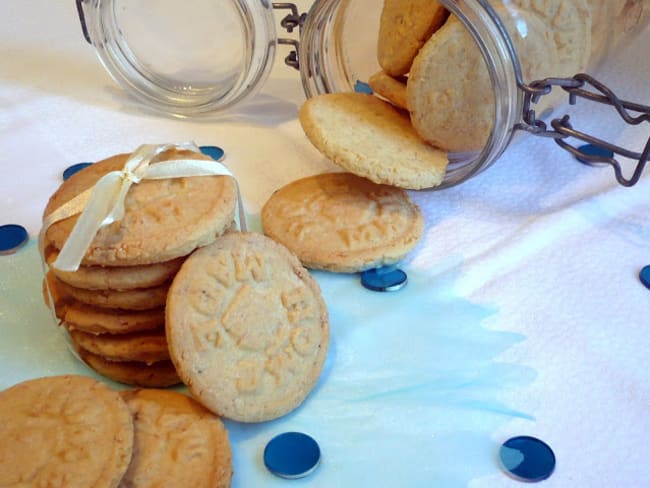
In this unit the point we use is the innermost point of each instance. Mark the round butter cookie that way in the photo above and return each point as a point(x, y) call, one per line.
point(146, 347)
point(404, 26)
point(164, 219)
point(449, 90)
point(70, 431)
point(96, 320)
point(370, 138)
point(342, 222)
point(138, 299)
point(247, 328)
point(177, 442)
point(117, 277)
point(390, 88)
point(156, 375)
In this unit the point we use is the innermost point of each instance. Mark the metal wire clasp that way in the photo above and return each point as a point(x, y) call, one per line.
point(562, 130)
point(289, 23)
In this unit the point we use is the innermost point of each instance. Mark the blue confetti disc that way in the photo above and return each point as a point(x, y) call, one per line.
point(644, 276)
point(361, 87)
point(70, 170)
point(215, 152)
point(292, 455)
point(593, 150)
point(384, 279)
point(527, 458)
point(12, 238)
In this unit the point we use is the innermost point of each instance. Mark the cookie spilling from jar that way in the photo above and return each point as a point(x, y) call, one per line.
point(433, 99)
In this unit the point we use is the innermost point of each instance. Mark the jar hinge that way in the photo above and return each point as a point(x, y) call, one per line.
point(289, 23)
point(562, 128)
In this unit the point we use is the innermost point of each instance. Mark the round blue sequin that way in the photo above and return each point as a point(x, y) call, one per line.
point(644, 276)
point(593, 150)
point(12, 238)
point(527, 458)
point(361, 87)
point(384, 279)
point(292, 455)
point(215, 152)
point(70, 170)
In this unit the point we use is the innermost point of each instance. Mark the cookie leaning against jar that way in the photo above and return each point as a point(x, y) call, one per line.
point(344, 223)
point(247, 328)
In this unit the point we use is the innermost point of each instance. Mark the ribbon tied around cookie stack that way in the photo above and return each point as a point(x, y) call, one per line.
point(103, 204)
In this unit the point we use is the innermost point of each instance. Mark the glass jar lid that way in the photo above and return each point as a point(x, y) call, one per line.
point(180, 59)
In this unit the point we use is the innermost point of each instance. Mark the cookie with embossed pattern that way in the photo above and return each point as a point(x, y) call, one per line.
point(64, 431)
point(247, 328)
point(147, 347)
point(156, 375)
point(341, 222)
point(163, 219)
point(178, 442)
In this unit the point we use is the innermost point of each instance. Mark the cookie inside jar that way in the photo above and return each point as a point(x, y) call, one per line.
point(446, 68)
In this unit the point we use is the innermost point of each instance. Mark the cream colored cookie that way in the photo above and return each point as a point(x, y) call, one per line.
point(63, 431)
point(177, 443)
point(164, 219)
point(342, 222)
point(405, 25)
point(247, 328)
point(370, 138)
point(139, 299)
point(156, 375)
point(96, 320)
point(146, 347)
point(390, 88)
point(449, 91)
point(116, 277)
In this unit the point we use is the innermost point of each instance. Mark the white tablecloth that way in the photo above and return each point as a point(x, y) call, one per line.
point(523, 315)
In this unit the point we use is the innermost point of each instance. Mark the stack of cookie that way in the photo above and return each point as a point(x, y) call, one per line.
point(74, 431)
point(114, 305)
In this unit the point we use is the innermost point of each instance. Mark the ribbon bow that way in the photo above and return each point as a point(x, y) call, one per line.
point(103, 204)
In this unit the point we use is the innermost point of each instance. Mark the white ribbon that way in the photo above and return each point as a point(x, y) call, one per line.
point(103, 204)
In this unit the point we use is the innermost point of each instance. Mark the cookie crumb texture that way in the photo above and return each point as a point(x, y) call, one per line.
point(64, 431)
point(247, 328)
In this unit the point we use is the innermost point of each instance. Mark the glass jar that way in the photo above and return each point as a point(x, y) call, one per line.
point(191, 62)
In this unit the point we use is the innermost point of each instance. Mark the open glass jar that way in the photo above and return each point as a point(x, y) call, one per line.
point(208, 58)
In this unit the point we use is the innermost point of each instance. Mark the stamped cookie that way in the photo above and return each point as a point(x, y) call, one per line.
point(164, 219)
point(247, 328)
point(156, 375)
point(67, 431)
point(390, 88)
point(342, 222)
point(139, 299)
point(116, 277)
point(147, 347)
point(449, 91)
point(96, 320)
point(370, 138)
point(177, 443)
point(405, 25)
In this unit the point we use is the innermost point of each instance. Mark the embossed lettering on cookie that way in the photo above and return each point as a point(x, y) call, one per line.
point(247, 328)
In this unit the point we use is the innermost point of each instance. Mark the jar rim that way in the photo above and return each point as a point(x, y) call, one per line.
point(169, 94)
